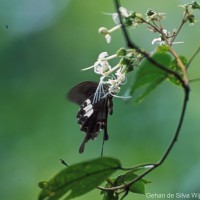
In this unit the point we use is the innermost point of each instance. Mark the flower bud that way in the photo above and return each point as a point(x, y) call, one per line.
point(103, 30)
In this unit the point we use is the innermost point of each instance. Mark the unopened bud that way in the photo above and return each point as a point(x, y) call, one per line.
point(103, 30)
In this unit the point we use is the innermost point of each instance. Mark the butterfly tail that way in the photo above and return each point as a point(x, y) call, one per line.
point(82, 146)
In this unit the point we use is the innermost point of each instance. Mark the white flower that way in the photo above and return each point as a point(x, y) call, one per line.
point(107, 33)
point(103, 55)
point(102, 65)
point(108, 38)
point(113, 86)
point(113, 77)
point(156, 40)
point(117, 80)
point(103, 30)
point(169, 38)
point(121, 76)
point(115, 18)
point(124, 13)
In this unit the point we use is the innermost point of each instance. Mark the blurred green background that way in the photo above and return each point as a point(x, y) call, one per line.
point(42, 51)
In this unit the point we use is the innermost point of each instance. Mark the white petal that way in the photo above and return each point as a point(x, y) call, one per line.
point(118, 72)
point(177, 42)
point(98, 69)
point(103, 30)
point(156, 40)
point(84, 69)
point(115, 18)
point(103, 55)
point(165, 31)
point(108, 38)
point(123, 12)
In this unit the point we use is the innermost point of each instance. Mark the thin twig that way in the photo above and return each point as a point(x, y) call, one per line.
point(137, 167)
point(125, 194)
point(179, 28)
point(193, 56)
point(180, 63)
point(194, 80)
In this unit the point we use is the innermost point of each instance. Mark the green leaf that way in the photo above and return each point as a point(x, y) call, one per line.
point(123, 179)
point(138, 188)
point(79, 179)
point(149, 89)
point(150, 76)
point(195, 5)
point(174, 66)
point(162, 48)
point(128, 176)
point(121, 52)
point(128, 62)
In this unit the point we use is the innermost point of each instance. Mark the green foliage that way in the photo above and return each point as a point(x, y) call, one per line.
point(138, 187)
point(121, 52)
point(128, 62)
point(162, 49)
point(174, 66)
point(150, 76)
point(79, 178)
point(195, 5)
point(123, 179)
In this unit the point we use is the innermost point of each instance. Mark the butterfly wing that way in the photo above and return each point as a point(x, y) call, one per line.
point(92, 117)
point(79, 93)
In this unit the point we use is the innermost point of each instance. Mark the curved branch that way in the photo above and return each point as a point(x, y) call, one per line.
point(160, 162)
point(186, 88)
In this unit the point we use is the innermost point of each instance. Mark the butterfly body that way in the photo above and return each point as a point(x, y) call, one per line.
point(95, 104)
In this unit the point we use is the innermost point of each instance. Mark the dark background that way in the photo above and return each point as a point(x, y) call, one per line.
point(42, 51)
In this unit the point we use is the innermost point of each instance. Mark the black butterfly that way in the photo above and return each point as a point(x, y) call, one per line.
point(95, 104)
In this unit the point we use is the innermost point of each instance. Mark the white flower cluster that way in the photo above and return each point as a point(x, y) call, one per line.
point(113, 77)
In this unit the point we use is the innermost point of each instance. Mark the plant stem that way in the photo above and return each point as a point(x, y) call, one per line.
point(180, 27)
point(180, 64)
point(185, 86)
point(193, 56)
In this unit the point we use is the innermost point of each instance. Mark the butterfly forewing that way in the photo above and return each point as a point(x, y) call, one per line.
point(79, 93)
point(92, 116)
